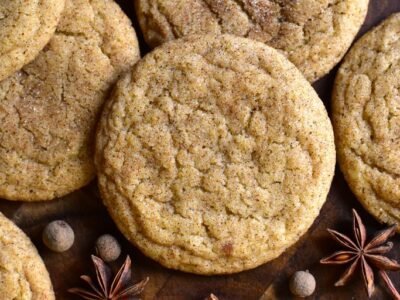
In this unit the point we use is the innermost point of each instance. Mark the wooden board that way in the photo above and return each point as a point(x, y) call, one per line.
point(84, 211)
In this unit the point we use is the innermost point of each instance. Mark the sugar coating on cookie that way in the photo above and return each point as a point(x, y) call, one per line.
point(25, 28)
point(366, 115)
point(49, 109)
point(313, 34)
point(214, 154)
point(23, 274)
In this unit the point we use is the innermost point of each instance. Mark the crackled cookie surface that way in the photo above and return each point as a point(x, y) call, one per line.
point(214, 154)
point(49, 109)
point(23, 275)
point(366, 112)
point(25, 28)
point(313, 34)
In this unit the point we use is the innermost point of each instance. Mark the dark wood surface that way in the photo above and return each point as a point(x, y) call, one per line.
point(84, 211)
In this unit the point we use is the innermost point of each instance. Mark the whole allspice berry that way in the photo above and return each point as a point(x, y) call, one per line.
point(58, 236)
point(302, 284)
point(108, 248)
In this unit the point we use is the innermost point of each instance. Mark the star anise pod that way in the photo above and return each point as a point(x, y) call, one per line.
point(108, 288)
point(366, 255)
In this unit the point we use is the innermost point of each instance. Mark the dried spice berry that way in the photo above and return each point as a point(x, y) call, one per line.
point(108, 248)
point(302, 284)
point(58, 236)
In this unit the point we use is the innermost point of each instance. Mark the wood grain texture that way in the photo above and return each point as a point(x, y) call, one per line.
point(84, 211)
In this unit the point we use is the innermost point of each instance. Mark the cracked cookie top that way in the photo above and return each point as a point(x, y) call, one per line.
point(25, 28)
point(49, 109)
point(313, 34)
point(23, 275)
point(214, 154)
point(366, 114)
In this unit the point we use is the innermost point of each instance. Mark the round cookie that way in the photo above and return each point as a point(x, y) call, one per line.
point(23, 274)
point(214, 154)
point(49, 109)
point(25, 28)
point(366, 115)
point(313, 34)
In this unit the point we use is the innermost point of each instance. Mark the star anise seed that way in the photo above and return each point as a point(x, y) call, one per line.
point(119, 288)
point(358, 253)
point(211, 297)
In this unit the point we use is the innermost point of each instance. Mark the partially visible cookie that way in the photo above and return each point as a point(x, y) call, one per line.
point(23, 274)
point(214, 154)
point(25, 28)
point(366, 115)
point(313, 34)
point(49, 109)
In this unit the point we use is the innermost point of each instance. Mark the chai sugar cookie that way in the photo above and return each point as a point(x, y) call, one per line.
point(313, 34)
point(23, 274)
point(25, 28)
point(214, 154)
point(49, 109)
point(366, 115)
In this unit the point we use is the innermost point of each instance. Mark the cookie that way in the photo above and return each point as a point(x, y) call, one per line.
point(49, 109)
point(25, 28)
point(23, 274)
point(314, 35)
point(214, 154)
point(366, 115)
